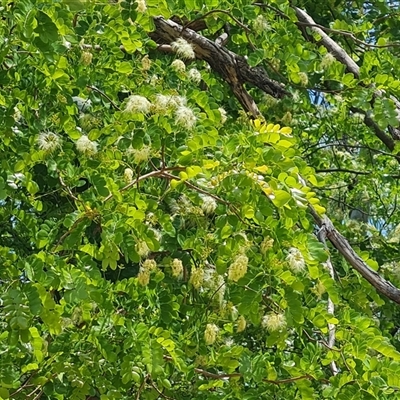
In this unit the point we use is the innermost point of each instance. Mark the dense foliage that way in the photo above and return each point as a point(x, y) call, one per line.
point(156, 239)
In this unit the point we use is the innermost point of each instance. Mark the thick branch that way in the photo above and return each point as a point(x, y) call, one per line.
point(233, 68)
point(341, 55)
point(338, 52)
point(342, 245)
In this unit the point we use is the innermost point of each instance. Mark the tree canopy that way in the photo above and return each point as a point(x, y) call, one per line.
point(199, 199)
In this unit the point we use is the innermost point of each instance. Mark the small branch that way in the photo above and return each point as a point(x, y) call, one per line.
point(342, 245)
point(160, 392)
point(348, 34)
point(244, 27)
point(136, 181)
point(350, 171)
point(350, 146)
point(338, 52)
point(233, 68)
point(142, 386)
point(68, 190)
point(104, 95)
point(69, 231)
point(239, 375)
point(331, 306)
point(202, 191)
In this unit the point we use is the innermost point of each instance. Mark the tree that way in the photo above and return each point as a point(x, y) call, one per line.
point(199, 200)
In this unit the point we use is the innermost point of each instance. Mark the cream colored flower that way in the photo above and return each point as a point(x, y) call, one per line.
point(194, 75)
point(139, 155)
point(128, 175)
point(177, 267)
point(295, 260)
point(49, 142)
point(163, 104)
point(196, 277)
point(210, 334)
point(209, 205)
point(238, 268)
point(327, 60)
point(266, 244)
point(143, 277)
point(86, 146)
point(185, 117)
point(274, 322)
point(224, 115)
point(183, 48)
point(142, 248)
point(241, 324)
point(303, 78)
point(146, 63)
point(261, 24)
point(178, 65)
point(141, 6)
point(86, 57)
point(149, 265)
point(137, 104)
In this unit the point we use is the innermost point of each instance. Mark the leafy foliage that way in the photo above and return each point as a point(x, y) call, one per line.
point(156, 243)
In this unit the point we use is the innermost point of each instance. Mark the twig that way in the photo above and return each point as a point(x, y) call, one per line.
point(104, 95)
point(24, 385)
point(142, 386)
point(350, 171)
point(160, 392)
point(331, 306)
point(134, 182)
point(197, 189)
point(66, 187)
point(348, 34)
point(38, 396)
point(246, 28)
point(69, 231)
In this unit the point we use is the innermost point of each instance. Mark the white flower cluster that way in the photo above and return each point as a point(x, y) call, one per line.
point(266, 244)
point(194, 75)
point(145, 270)
point(241, 324)
point(224, 115)
point(178, 65)
point(137, 104)
point(86, 146)
point(183, 49)
point(295, 260)
point(146, 63)
point(327, 60)
point(139, 155)
point(141, 6)
point(142, 248)
point(261, 24)
point(303, 78)
point(210, 333)
point(209, 281)
point(49, 142)
point(209, 205)
point(176, 267)
point(184, 116)
point(238, 268)
point(128, 175)
point(274, 322)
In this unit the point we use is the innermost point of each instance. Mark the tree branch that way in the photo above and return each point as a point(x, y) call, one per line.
point(342, 245)
point(350, 171)
point(233, 68)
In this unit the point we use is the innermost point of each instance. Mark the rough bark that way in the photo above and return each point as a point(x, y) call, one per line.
point(341, 55)
point(233, 68)
point(342, 245)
